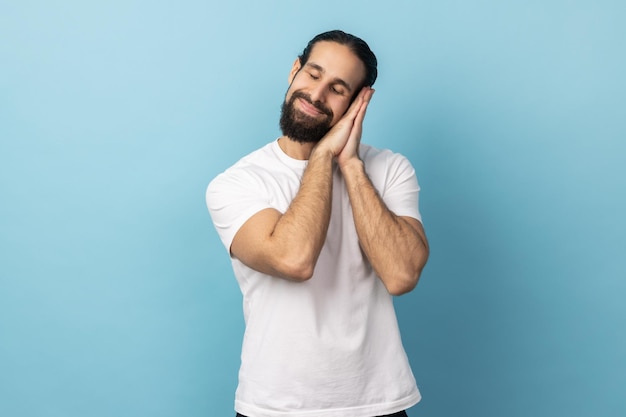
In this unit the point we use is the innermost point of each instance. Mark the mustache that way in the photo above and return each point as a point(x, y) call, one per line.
point(317, 104)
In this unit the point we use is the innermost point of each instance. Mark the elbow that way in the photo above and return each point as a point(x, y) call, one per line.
point(402, 282)
point(297, 270)
point(400, 286)
point(299, 274)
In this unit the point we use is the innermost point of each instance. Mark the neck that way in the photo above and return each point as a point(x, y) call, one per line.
point(296, 150)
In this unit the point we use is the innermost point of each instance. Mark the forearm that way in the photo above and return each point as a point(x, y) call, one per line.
point(300, 233)
point(396, 248)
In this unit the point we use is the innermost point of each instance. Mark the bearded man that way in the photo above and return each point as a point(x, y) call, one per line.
point(322, 231)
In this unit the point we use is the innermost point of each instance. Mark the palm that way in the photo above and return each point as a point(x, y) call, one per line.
point(343, 139)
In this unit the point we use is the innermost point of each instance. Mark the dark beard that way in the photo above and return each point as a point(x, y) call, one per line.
point(301, 127)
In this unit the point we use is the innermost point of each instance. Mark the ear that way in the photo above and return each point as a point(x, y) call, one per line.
point(294, 70)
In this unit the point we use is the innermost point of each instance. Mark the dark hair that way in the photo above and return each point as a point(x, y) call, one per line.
point(356, 45)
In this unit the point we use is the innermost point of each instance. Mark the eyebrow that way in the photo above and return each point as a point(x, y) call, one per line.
point(335, 80)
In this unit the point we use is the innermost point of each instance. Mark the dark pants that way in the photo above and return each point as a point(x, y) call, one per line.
point(400, 414)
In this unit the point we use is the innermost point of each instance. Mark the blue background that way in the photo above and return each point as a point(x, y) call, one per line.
point(116, 296)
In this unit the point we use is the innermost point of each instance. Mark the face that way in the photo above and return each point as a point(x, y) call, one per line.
point(320, 91)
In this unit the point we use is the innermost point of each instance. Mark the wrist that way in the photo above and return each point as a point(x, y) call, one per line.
point(352, 165)
point(321, 152)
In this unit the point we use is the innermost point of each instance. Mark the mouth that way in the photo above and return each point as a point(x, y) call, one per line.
point(308, 108)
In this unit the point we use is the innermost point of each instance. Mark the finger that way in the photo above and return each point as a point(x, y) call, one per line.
point(358, 121)
point(366, 96)
point(356, 104)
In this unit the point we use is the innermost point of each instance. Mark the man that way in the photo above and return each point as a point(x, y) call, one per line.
point(322, 231)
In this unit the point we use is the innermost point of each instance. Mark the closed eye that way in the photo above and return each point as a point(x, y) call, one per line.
point(339, 91)
point(339, 86)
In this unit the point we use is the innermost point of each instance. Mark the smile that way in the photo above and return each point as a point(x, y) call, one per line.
point(308, 108)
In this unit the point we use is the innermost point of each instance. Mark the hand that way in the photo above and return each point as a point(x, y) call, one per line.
point(351, 149)
point(348, 128)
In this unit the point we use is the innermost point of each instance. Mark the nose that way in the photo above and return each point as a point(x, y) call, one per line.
point(318, 92)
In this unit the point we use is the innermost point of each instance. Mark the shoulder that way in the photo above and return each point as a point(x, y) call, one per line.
point(258, 157)
point(245, 168)
point(376, 159)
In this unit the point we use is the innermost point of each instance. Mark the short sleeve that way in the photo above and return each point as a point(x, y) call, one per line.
point(395, 180)
point(232, 198)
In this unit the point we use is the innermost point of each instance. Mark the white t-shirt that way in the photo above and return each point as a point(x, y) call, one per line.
point(329, 346)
